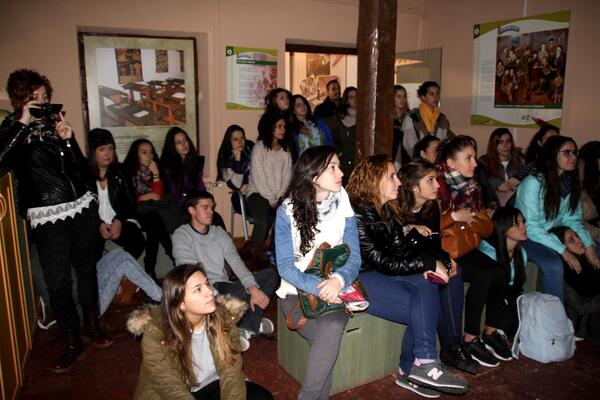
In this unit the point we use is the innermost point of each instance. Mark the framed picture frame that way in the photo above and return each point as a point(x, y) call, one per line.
point(138, 86)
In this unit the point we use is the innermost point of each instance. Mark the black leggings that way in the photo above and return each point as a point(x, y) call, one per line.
point(212, 391)
point(487, 288)
point(156, 232)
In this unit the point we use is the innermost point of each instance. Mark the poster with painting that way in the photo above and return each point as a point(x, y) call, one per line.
point(251, 75)
point(137, 87)
point(520, 67)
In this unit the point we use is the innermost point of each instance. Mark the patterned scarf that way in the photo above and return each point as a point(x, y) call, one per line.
point(143, 180)
point(457, 191)
point(327, 208)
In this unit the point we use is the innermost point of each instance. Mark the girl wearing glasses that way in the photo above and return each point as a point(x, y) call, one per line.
point(550, 198)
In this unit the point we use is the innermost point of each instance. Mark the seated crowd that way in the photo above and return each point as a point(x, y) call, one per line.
point(396, 213)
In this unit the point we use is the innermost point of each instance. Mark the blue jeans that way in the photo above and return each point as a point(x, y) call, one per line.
point(410, 300)
point(452, 300)
point(551, 264)
point(111, 269)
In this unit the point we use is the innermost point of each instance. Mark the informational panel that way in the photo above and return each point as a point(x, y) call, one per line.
point(519, 70)
point(251, 75)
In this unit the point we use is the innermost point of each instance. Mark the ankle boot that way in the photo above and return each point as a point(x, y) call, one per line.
point(72, 352)
point(92, 331)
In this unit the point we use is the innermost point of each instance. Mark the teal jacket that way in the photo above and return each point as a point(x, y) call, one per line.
point(530, 200)
point(490, 251)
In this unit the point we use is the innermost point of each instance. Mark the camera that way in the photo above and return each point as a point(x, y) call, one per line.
point(47, 114)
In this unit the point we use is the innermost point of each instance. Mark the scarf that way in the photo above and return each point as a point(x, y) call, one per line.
point(143, 180)
point(327, 208)
point(459, 191)
point(429, 117)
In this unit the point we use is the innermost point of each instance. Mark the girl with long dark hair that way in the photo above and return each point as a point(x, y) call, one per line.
point(550, 198)
point(143, 166)
point(394, 273)
point(504, 246)
point(316, 209)
point(306, 130)
point(182, 165)
point(233, 163)
point(270, 170)
point(419, 208)
point(462, 209)
point(499, 167)
point(191, 345)
point(343, 131)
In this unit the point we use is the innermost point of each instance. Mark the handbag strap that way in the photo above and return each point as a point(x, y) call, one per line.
point(294, 326)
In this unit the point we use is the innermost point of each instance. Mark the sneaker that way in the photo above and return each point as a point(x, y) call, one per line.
point(266, 327)
point(244, 344)
point(578, 339)
point(459, 359)
point(436, 376)
point(496, 344)
point(476, 349)
point(403, 382)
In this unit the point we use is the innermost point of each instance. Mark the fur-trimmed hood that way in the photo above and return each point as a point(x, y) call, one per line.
point(232, 307)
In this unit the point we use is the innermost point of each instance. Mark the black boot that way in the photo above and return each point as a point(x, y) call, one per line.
point(72, 352)
point(92, 331)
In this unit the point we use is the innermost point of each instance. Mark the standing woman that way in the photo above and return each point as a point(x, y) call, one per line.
point(307, 131)
point(233, 163)
point(316, 210)
point(394, 275)
point(427, 119)
point(183, 167)
point(191, 345)
point(418, 196)
point(548, 199)
point(270, 170)
point(62, 212)
point(343, 131)
point(460, 203)
point(400, 112)
point(116, 197)
point(499, 167)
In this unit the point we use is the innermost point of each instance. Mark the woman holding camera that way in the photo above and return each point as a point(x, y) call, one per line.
point(62, 212)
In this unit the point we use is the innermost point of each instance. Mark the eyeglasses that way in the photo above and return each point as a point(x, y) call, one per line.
point(569, 153)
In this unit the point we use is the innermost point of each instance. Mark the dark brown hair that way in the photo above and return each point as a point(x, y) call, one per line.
point(21, 85)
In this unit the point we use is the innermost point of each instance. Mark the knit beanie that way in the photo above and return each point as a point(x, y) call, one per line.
point(99, 137)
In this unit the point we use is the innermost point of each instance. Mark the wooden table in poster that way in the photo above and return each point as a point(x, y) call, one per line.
point(137, 87)
point(127, 115)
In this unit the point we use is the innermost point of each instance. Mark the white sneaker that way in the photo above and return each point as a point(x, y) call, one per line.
point(244, 344)
point(266, 327)
point(578, 339)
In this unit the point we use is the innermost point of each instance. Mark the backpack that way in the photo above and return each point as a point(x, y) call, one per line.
point(545, 333)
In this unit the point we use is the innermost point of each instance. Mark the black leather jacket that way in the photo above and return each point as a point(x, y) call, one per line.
point(120, 192)
point(383, 247)
point(50, 170)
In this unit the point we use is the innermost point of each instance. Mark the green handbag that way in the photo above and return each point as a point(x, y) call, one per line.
point(326, 260)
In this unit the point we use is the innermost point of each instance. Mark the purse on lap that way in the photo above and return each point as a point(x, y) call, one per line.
point(326, 261)
point(462, 238)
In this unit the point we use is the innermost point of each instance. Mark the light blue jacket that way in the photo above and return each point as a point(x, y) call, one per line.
point(490, 251)
point(530, 200)
point(284, 250)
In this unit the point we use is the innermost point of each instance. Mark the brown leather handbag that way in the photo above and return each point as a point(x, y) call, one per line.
point(461, 238)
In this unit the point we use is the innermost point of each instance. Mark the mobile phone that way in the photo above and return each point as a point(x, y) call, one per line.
point(435, 278)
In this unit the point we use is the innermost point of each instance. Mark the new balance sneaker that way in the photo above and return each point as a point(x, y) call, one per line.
point(476, 349)
point(436, 376)
point(245, 336)
point(496, 344)
point(403, 382)
point(266, 327)
point(459, 359)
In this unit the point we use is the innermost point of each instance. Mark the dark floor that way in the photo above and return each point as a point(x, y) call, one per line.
point(111, 373)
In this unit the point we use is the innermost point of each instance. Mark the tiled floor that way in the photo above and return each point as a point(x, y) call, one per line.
point(111, 373)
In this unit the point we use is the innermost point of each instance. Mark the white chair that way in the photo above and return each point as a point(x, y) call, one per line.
point(245, 219)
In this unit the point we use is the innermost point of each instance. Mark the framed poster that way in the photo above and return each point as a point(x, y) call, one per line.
point(138, 86)
point(519, 70)
point(251, 75)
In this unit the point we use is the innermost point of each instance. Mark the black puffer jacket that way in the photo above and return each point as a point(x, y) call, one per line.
point(50, 170)
point(120, 192)
point(384, 249)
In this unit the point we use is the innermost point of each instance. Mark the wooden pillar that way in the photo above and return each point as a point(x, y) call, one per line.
point(376, 44)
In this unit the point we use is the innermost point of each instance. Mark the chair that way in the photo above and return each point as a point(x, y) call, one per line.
point(245, 219)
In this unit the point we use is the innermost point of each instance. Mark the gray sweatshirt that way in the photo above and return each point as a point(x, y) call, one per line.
point(212, 250)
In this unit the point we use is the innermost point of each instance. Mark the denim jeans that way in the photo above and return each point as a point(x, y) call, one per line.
point(411, 300)
point(111, 269)
point(266, 280)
